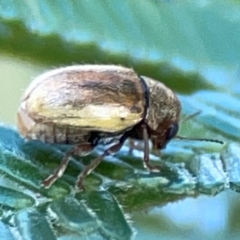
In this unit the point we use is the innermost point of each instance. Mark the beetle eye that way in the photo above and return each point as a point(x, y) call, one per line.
point(172, 131)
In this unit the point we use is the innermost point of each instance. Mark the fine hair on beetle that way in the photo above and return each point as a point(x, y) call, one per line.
point(85, 105)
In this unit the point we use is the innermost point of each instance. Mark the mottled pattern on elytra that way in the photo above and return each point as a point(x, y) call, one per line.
point(82, 104)
point(77, 88)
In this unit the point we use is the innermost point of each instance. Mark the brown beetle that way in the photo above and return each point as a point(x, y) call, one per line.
point(86, 104)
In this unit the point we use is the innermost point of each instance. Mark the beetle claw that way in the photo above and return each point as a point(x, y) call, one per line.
point(152, 168)
point(80, 186)
point(48, 182)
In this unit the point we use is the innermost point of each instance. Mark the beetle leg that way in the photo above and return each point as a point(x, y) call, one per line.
point(62, 167)
point(131, 146)
point(88, 169)
point(134, 145)
point(146, 160)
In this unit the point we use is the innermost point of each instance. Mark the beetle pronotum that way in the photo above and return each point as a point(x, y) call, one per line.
point(84, 105)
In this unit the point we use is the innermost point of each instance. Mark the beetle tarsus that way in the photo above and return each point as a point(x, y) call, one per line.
point(79, 185)
point(48, 182)
point(151, 168)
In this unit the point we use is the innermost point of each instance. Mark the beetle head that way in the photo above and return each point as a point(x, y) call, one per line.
point(161, 139)
point(163, 113)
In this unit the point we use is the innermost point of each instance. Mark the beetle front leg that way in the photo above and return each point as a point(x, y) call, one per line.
point(146, 159)
point(86, 147)
point(134, 145)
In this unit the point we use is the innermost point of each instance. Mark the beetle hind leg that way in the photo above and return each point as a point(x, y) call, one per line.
point(85, 147)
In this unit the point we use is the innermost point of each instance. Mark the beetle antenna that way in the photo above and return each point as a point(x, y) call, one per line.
point(200, 139)
point(193, 115)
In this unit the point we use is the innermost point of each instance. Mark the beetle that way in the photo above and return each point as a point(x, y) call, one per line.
point(84, 105)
